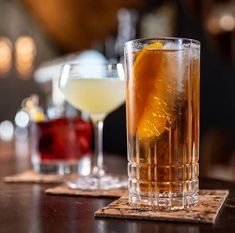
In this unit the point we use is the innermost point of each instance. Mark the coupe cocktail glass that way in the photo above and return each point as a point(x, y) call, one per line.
point(97, 89)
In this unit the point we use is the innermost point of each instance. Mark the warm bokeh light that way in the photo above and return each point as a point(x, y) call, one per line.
point(220, 19)
point(25, 51)
point(5, 55)
point(227, 22)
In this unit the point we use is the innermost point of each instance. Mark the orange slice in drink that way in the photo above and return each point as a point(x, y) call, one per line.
point(150, 87)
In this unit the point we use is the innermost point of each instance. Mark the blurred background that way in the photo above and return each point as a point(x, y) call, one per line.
point(34, 33)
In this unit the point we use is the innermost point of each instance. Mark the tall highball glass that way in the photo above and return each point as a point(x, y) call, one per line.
point(162, 91)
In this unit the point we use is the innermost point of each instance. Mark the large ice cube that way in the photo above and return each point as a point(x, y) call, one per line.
point(172, 46)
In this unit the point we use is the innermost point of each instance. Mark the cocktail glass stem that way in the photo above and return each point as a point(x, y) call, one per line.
point(98, 170)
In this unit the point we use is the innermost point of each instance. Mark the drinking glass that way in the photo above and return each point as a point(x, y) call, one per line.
point(162, 90)
point(60, 146)
point(97, 89)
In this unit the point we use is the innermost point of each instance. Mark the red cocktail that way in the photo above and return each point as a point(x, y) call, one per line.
point(59, 142)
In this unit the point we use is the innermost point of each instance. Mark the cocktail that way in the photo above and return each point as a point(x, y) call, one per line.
point(97, 89)
point(163, 122)
point(60, 145)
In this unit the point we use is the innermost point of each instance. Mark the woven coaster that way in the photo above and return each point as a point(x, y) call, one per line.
point(210, 202)
point(30, 176)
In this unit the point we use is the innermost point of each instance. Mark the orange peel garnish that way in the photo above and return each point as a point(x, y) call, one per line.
point(149, 87)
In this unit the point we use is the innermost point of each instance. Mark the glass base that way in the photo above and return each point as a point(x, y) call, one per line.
point(185, 197)
point(81, 167)
point(104, 182)
point(172, 201)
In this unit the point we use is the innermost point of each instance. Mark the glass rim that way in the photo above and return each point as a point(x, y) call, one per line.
point(74, 63)
point(172, 39)
point(73, 68)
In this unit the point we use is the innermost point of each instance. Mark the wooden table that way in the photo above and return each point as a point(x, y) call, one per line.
point(26, 208)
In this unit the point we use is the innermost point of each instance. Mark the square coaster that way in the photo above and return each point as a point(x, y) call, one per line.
point(65, 190)
point(31, 176)
point(210, 202)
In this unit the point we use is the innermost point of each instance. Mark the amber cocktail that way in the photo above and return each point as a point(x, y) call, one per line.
point(162, 90)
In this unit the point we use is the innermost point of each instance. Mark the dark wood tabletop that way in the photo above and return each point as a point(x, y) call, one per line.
point(26, 208)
